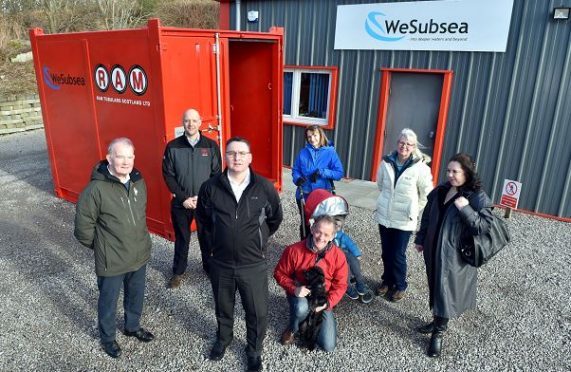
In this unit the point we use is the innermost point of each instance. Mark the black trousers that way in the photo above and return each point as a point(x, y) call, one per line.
point(181, 220)
point(252, 283)
point(302, 224)
point(133, 284)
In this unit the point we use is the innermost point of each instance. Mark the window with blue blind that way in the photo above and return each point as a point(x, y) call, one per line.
point(307, 96)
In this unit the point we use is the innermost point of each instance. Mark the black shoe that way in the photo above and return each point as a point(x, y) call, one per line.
point(112, 349)
point(217, 352)
point(435, 347)
point(141, 334)
point(426, 329)
point(254, 363)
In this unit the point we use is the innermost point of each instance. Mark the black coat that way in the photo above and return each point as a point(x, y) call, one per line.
point(236, 233)
point(452, 282)
point(185, 168)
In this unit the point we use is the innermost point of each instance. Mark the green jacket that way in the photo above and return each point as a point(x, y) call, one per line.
point(112, 221)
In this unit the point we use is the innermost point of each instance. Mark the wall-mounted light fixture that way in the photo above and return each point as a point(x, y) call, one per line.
point(253, 16)
point(561, 14)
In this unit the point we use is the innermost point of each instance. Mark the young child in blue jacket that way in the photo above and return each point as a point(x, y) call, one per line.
point(353, 255)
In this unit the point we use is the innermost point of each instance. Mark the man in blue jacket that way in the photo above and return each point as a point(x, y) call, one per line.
point(239, 210)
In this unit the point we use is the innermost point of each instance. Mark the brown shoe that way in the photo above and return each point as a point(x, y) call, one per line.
point(397, 296)
point(287, 337)
point(175, 281)
point(382, 289)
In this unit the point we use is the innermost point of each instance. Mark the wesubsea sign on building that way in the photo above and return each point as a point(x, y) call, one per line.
point(510, 194)
point(459, 25)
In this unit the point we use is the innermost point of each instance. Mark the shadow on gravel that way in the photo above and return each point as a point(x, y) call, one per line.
point(30, 168)
point(51, 267)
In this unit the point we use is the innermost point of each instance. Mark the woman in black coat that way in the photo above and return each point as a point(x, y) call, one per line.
point(454, 209)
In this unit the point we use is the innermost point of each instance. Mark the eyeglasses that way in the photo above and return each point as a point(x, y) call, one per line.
point(454, 171)
point(402, 144)
point(237, 154)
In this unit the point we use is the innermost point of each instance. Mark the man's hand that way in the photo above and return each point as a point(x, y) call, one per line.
point(190, 203)
point(302, 291)
point(321, 308)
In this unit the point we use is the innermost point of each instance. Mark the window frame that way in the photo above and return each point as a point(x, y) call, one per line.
point(295, 119)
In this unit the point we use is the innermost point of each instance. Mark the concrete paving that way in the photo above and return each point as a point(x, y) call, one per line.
point(358, 193)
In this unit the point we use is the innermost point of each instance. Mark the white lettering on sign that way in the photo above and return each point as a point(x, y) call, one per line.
point(124, 101)
point(118, 79)
point(101, 78)
point(510, 194)
point(138, 80)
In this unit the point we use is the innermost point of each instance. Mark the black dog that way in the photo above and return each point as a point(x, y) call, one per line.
point(309, 328)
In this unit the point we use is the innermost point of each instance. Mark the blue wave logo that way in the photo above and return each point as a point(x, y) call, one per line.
point(48, 80)
point(376, 30)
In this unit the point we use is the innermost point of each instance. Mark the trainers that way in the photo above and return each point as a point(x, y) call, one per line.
point(287, 337)
point(367, 297)
point(175, 281)
point(397, 296)
point(352, 293)
point(362, 288)
point(382, 289)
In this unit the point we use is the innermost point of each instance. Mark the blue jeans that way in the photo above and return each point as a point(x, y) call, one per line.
point(298, 310)
point(393, 253)
point(133, 284)
point(354, 268)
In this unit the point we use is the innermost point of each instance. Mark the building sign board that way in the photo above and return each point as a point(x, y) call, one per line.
point(510, 194)
point(453, 25)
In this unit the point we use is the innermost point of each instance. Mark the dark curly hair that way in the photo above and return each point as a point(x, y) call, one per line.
point(473, 182)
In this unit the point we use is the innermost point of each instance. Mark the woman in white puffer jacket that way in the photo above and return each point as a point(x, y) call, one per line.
point(404, 180)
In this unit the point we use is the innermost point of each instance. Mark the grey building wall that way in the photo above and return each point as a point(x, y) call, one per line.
point(511, 111)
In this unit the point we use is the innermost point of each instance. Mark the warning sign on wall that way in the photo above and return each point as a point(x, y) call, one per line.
point(510, 194)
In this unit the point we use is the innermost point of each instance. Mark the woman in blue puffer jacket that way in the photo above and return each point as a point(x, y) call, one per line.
point(317, 165)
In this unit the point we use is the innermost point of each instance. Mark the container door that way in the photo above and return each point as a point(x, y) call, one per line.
point(68, 112)
point(252, 79)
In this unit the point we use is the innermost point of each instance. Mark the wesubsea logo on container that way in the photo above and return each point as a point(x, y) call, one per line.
point(135, 79)
point(54, 80)
point(451, 25)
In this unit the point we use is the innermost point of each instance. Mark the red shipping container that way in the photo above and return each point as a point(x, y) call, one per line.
point(136, 83)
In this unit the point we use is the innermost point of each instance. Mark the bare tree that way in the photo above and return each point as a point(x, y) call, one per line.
point(119, 13)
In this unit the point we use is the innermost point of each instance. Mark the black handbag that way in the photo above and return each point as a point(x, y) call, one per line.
point(476, 250)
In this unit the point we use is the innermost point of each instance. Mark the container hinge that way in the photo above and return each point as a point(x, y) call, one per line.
point(215, 48)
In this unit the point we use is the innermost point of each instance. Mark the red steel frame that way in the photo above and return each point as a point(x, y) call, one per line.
point(440, 126)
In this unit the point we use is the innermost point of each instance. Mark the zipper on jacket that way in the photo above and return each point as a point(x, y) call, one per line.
point(131, 210)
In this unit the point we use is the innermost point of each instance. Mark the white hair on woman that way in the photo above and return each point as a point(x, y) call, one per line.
point(410, 137)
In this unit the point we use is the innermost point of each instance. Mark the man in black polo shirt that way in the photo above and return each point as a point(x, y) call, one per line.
point(189, 160)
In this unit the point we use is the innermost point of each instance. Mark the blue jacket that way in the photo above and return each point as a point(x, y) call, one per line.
point(347, 244)
point(323, 159)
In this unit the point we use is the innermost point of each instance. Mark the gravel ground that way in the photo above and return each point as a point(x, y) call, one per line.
point(49, 294)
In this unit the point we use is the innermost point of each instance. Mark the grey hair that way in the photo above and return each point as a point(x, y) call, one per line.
point(409, 135)
point(325, 218)
point(123, 140)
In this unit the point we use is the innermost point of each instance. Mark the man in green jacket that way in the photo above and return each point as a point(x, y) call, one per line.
point(111, 219)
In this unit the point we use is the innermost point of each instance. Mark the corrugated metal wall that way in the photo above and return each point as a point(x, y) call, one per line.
point(511, 111)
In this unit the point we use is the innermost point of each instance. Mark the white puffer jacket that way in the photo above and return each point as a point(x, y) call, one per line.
point(398, 206)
